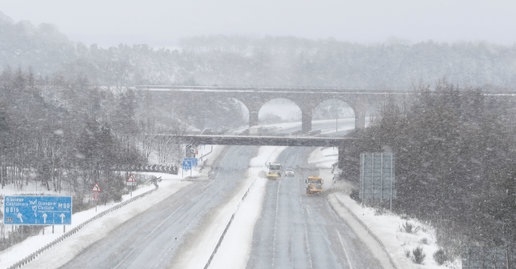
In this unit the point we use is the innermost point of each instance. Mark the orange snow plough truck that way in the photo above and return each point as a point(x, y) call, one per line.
point(313, 184)
point(274, 170)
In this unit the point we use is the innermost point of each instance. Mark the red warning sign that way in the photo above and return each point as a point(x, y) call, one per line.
point(96, 188)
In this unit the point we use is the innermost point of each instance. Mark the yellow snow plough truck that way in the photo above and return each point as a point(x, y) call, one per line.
point(313, 184)
point(273, 170)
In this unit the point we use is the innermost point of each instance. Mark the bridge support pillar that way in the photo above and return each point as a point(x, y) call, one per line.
point(360, 119)
point(253, 117)
point(360, 108)
point(340, 156)
point(306, 120)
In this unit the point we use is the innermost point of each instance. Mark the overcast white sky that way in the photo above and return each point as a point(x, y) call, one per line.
point(161, 22)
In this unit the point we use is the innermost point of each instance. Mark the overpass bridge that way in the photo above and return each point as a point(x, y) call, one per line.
point(249, 140)
point(300, 141)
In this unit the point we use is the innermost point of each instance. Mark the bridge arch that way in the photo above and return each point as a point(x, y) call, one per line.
point(305, 107)
point(334, 109)
point(279, 110)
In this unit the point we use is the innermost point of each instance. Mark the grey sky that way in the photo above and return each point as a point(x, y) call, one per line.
point(161, 22)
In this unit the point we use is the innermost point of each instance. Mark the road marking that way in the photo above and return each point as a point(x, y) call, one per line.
point(344, 249)
point(307, 240)
point(307, 246)
point(275, 225)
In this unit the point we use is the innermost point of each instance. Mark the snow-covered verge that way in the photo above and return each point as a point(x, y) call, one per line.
point(91, 225)
point(386, 228)
point(78, 235)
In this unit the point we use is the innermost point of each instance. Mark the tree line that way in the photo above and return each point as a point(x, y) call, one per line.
point(258, 62)
point(454, 162)
point(64, 135)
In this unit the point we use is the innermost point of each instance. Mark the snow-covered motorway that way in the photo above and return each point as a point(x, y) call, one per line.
point(296, 230)
point(235, 218)
point(159, 237)
point(193, 226)
point(183, 231)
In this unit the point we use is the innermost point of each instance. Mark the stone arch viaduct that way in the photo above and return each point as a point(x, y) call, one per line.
point(254, 98)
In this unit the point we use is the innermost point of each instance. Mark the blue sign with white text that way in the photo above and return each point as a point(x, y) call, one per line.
point(189, 162)
point(37, 210)
point(187, 165)
point(192, 160)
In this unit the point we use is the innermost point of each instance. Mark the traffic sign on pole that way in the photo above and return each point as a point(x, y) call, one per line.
point(37, 210)
point(96, 190)
point(131, 181)
point(186, 164)
point(377, 180)
point(192, 160)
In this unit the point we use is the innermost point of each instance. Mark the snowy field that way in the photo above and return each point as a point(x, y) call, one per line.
point(241, 212)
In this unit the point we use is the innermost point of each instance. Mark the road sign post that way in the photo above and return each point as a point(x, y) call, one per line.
point(131, 182)
point(188, 163)
point(96, 191)
point(38, 210)
point(377, 182)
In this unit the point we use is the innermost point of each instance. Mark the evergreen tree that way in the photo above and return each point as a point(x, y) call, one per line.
point(454, 161)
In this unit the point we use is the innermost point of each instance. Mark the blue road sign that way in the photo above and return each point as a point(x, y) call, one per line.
point(189, 162)
point(37, 210)
point(187, 165)
point(192, 160)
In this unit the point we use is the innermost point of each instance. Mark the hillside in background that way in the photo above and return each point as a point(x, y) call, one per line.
point(268, 61)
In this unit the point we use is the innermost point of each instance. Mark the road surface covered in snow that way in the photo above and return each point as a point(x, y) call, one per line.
point(291, 230)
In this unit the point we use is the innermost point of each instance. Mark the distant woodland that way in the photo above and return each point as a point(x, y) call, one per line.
point(267, 61)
